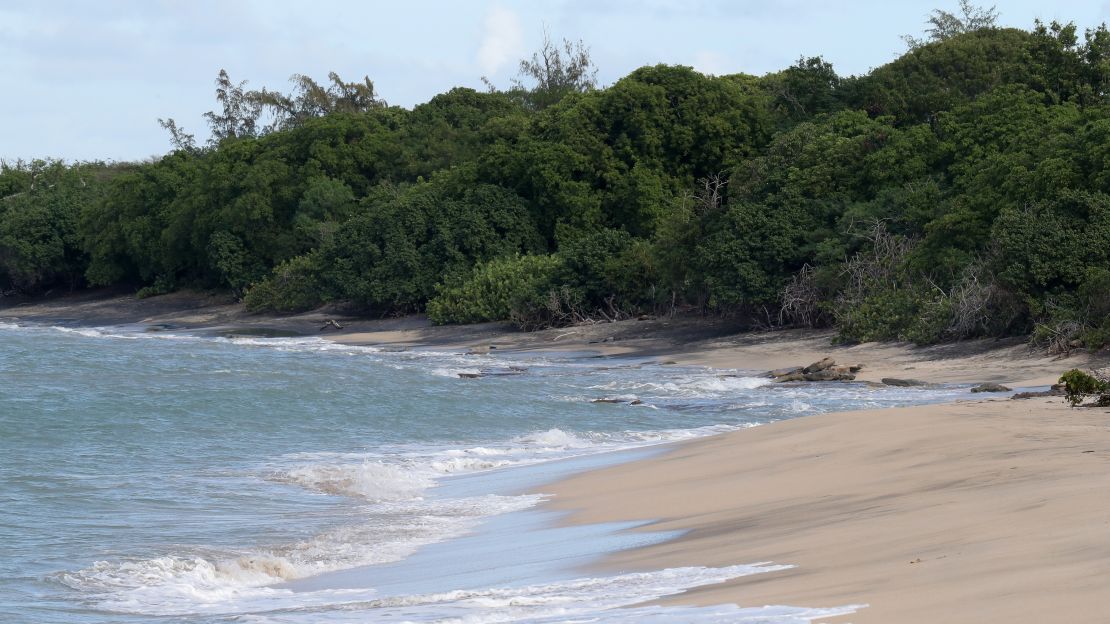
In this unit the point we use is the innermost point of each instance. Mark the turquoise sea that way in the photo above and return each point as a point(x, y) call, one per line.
point(152, 476)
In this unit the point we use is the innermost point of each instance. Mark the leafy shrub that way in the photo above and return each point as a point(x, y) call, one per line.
point(293, 286)
point(493, 289)
point(161, 286)
point(1079, 385)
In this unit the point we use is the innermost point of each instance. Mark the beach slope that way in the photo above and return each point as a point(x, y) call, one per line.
point(978, 511)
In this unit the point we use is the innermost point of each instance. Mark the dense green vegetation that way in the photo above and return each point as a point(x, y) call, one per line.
point(961, 190)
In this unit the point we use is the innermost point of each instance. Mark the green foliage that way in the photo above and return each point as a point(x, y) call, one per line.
point(494, 289)
point(961, 190)
point(294, 286)
point(40, 240)
point(1079, 385)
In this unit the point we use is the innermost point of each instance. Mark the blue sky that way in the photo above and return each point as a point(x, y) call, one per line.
point(87, 80)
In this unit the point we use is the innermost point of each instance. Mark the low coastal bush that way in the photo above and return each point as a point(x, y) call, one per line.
point(1079, 385)
point(494, 289)
point(292, 287)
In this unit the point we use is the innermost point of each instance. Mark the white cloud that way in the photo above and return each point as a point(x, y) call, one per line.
point(502, 42)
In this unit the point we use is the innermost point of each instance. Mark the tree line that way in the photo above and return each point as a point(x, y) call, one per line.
point(961, 190)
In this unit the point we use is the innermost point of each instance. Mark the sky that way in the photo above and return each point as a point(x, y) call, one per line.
point(89, 80)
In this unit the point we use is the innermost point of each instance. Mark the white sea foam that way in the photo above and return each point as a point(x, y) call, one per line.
point(598, 599)
point(687, 386)
point(212, 581)
point(372, 480)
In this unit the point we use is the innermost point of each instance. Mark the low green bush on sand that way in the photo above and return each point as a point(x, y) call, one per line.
point(1079, 385)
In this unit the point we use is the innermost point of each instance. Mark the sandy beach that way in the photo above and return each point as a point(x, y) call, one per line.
point(987, 510)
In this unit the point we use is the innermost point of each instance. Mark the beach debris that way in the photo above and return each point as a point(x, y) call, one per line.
point(903, 383)
point(990, 387)
point(480, 350)
point(331, 324)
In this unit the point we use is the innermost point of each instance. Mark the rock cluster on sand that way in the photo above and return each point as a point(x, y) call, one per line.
point(903, 383)
point(990, 387)
point(1056, 390)
point(823, 370)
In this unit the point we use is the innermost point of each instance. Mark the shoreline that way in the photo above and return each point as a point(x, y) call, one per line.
point(691, 341)
point(972, 511)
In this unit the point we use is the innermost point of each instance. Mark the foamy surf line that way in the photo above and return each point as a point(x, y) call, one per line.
point(398, 514)
point(250, 586)
point(399, 503)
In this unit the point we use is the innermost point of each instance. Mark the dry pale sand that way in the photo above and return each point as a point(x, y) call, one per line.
point(980, 511)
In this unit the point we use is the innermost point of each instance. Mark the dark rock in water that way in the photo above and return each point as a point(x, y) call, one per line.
point(606, 400)
point(819, 365)
point(1037, 395)
point(792, 377)
point(635, 402)
point(469, 375)
point(990, 387)
point(783, 372)
point(903, 383)
point(829, 375)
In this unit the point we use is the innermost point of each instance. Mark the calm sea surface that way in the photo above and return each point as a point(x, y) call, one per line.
point(154, 477)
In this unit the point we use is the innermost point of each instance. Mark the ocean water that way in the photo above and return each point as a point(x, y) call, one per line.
point(175, 477)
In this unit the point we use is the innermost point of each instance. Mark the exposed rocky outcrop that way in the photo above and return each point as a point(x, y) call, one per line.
point(825, 369)
point(903, 383)
point(990, 387)
point(1055, 391)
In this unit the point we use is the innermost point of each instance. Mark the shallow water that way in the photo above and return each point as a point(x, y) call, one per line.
point(174, 477)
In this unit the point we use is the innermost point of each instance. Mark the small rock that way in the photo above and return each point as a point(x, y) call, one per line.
point(990, 387)
point(635, 402)
point(829, 375)
point(606, 400)
point(903, 383)
point(791, 377)
point(1035, 395)
point(820, 365)
point(469, 375)
point(783, 372)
